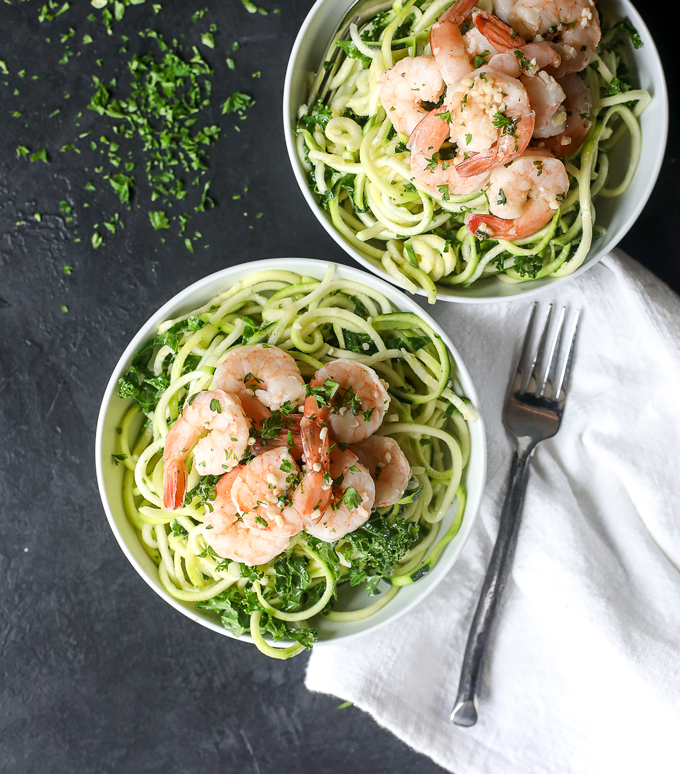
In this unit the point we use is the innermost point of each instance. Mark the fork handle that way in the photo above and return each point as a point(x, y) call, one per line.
point(464, 712)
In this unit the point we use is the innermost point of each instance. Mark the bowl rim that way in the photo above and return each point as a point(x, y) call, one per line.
point(203, 284)
point(647, 188)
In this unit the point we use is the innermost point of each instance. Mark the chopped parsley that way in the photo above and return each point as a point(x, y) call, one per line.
point(351, 498)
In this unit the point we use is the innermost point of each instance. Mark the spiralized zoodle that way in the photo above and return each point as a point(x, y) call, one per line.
point(317, 322)
point(361, 168)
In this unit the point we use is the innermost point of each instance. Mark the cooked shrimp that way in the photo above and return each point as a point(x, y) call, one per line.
point(263, 372)
point(546, 97)
point(289, 437)
point(447, 42)
point(263, 492)
point(491, 119)
point(577, 104)
point(477, 45)
point(314, 493)
point(411, 81)
point(358, 405)
point(230, 537)
point(431, 172)
point(522, 197)
point(388, 466)
point(352, 501)
point(499, 34)
point(526, 62)
point(217, 429)
point(572, 27)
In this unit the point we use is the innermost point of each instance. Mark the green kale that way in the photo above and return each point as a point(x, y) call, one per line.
point(319, 115)
point(378, 546)
point(354, 342)
point(351, 50)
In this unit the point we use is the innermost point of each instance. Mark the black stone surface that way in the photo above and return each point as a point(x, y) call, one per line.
point(97, 674)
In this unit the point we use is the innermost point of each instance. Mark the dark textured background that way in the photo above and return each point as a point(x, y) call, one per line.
point(97, 674)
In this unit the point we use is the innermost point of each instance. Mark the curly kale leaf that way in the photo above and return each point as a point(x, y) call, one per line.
point(234, 607)
point(140, 382)
point(379, 546)
point(319, 115)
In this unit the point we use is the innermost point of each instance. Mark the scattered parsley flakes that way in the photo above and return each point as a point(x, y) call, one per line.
point(123, 185)
point(208, 40)
point(238, 102)
point(230, 63)
point(3, 68)
point(40, 155)
point(64, 308)
point(68, 270)
point(159, 220)
point(188, 245)
point(97, 240)
point(250, 6)
point(352, 498)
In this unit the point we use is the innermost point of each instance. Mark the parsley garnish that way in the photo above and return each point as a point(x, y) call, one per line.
point(352, 498)
point(480, 59)
point(325, 393)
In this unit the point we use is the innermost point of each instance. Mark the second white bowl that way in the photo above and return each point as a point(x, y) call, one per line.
point(113, 409)
point(616, 215)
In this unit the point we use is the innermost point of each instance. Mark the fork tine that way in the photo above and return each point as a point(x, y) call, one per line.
point(538, 354)
point(517, 380)
point(566, 367)
point(551, 361)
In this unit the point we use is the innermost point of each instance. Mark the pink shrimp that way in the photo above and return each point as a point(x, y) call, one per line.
point(314, 492)
point(491, 120)
point(523, 197)
point(578, 103)
point(411, 81)
point(231, 537)
point(572, 27)
point(353, 497)
point(360, 400)
point(500, 35)
point(261, 375)
point(388, 466)
point(217, 429)
point(438, 176)
point(447, 42)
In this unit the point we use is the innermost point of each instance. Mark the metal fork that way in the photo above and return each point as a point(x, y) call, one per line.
point(358, 13)
point(532, 412)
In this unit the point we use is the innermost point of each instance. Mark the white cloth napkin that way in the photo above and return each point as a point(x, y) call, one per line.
point(583, 672)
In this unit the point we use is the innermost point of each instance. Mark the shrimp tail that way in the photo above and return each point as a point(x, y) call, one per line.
point(478, 163)
point(458, 12)
point(493, 226)
point(536, 214)
point(174, 484)
point(314, 420)
point(509, 147)
point(501, 36)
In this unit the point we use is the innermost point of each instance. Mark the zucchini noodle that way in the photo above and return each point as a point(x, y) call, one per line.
point(360, 167)
point(315, 321)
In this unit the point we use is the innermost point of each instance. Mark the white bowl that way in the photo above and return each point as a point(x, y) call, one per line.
point(616, 215)
point(113, 408)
